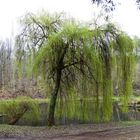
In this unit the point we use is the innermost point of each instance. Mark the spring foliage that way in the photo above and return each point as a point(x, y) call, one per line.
point(94, 60)
point(21, 107)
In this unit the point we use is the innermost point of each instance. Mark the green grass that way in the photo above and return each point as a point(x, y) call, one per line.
point(130, 123)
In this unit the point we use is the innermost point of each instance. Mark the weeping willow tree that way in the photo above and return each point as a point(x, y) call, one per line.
point(60, 51)
point(66, 59)
point(115, 54)
point(67, 53)
point(126, 61)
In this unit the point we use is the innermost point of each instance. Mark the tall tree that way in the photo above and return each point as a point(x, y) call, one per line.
point(6, 70)
point(60, 52)
point(64, 50)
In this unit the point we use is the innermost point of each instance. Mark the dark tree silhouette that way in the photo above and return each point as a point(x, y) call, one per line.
point(110, 5)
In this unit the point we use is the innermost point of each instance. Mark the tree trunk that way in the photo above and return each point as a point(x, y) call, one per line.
point(51, 119)
point(17, 117)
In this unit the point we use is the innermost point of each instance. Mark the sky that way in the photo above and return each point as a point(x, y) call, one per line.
point(127, 16)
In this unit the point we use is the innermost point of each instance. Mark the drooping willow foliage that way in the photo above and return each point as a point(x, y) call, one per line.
point(126, 64)
point(115, 52)
point(84, 66)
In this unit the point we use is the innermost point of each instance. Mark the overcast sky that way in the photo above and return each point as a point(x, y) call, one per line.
point(127, 15)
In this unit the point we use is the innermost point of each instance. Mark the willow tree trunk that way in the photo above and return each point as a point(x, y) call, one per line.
point(51, 119)
point(17, 117)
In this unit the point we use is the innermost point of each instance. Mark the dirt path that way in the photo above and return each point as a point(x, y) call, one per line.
point(128, 133)
point(72, 132)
